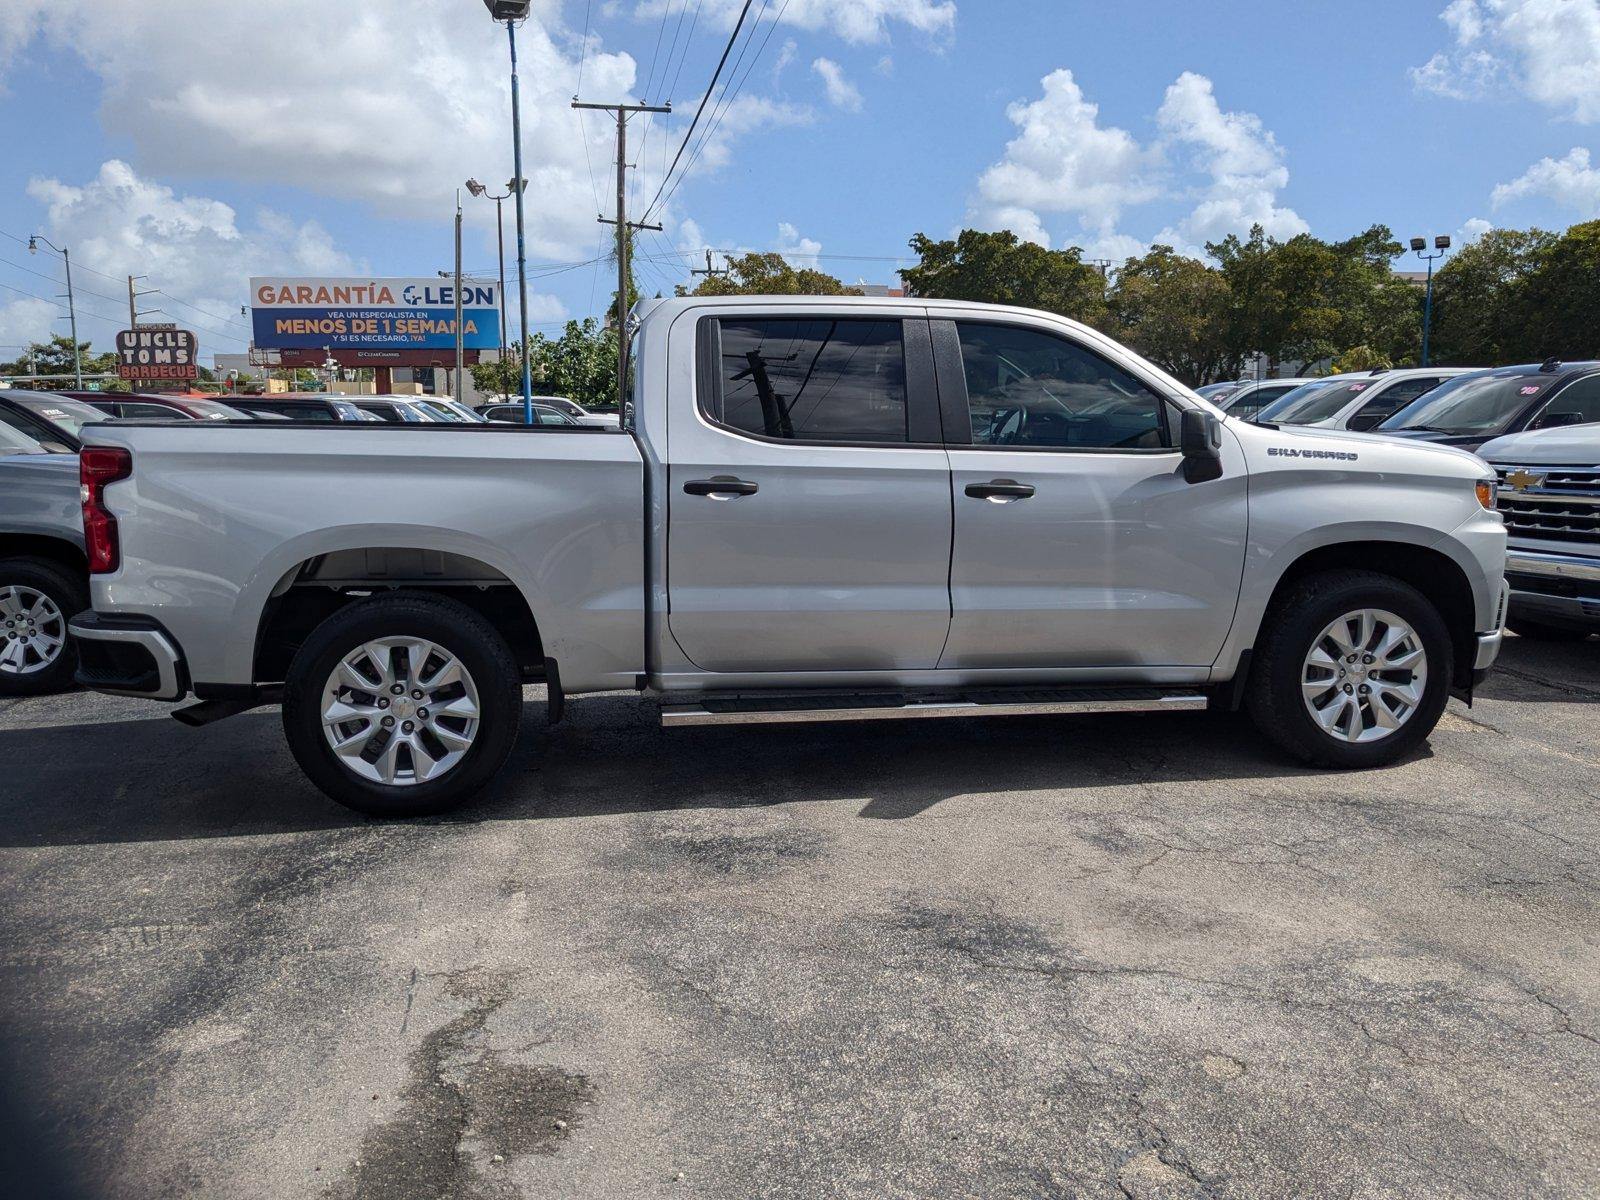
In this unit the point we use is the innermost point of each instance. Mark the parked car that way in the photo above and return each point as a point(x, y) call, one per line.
point(149, 406)
point(55, 421)
point(580, 414)
point(44, 580)
point(1550, 499)
point(302, 408)
point(779, 543)
point(449, 410)
point(1473, 409)
point(1357, 401)
point(1218, 392)
point(543, 414)
point(394, 411)
point(1252, 397)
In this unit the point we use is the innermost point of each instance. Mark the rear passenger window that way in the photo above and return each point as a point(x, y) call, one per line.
point(1395, 397)
point(1026, 387)
point(813, 380)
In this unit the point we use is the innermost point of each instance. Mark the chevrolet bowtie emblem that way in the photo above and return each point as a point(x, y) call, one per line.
point(1520, 480)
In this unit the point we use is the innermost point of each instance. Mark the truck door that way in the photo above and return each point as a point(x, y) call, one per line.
point(809, 514)
point(1078, 543)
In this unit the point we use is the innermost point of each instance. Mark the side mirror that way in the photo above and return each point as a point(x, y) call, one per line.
point(1555, 420)
point(1362, 422)
point(1201, 443)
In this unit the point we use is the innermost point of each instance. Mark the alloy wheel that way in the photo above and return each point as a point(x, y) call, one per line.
point(34, 627)
point(400, 711)
point(1364, 676)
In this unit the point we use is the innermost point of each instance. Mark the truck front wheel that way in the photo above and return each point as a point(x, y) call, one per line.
point(402, 705)
point(1352, 669)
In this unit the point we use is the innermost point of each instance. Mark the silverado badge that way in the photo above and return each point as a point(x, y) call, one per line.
point(1521, 479)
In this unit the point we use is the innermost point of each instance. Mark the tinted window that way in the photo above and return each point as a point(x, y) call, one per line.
point(1472, 404)
point(1310, 402)
point(822, 380)
point(295, 412)
point(1026, 387)
point(1395, 397)
point(150, 411)
point(14, 441)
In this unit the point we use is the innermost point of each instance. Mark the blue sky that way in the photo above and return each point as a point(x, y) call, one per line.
point(197, 143)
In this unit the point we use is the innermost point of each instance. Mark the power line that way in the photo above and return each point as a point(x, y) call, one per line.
point(715, 75)
point(730, 95)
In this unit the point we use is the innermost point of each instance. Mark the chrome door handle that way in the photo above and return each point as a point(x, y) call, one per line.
point(720, 487)
point(1000, 491)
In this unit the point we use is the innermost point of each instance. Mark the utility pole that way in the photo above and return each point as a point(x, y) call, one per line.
point(708, 270)
point(455, 393)
point(134, 314)
point(624, 226)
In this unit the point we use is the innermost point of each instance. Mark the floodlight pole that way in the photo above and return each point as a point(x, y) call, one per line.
point(522, 257)
point(72, 307)
point(1441, 247)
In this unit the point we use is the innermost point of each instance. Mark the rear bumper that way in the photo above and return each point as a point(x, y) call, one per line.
point(128, 656)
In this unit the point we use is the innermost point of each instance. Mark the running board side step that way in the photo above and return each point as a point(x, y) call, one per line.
point(745, 708)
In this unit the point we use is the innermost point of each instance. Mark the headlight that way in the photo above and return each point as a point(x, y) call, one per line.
point(1488, 492)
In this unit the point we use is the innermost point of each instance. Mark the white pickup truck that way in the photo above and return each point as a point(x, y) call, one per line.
point(817, 509)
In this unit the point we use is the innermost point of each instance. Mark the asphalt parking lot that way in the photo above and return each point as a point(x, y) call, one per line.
point(1092, 957)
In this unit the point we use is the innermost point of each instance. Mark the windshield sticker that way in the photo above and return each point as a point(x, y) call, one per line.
point(1292, 452)
point(1531, 390)
point(1356, 387)
point(55, 414)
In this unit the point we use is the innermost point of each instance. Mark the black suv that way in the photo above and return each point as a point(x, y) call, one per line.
point(1469, 410)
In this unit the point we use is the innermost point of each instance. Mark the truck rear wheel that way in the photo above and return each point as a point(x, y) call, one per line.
point(1352, 669)
point(37, 599)
point(402, 705)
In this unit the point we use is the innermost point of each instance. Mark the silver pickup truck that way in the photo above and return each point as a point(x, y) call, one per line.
point(1550, 498)
point(817, 509)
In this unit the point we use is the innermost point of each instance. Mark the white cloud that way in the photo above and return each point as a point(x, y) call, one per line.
point(1472, 229)
point(1241, 157)
point(856, 21)
point(1548, 49)
point(801, 251)
point(1572, 182)
point(1066, 162)
point(193, 248)
point(841, 92)
point(25, 320)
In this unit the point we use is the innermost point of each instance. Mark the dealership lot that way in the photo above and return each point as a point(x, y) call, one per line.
point(1089, 957)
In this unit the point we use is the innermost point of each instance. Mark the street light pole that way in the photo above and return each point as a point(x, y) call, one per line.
point(1441, 247)
point(512, 11)
point(72, 308)
point(477, 189)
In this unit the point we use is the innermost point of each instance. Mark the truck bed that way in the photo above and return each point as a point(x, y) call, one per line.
point(220, 517)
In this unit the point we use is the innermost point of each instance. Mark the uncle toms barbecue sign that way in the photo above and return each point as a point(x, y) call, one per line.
point(158, 354)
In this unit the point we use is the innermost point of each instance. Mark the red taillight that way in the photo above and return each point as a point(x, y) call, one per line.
point(98, 466)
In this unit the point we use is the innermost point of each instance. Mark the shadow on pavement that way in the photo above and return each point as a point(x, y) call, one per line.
point(155, 779)
point(1531, 671)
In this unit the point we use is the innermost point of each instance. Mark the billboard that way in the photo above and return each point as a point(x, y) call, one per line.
point(373, 314)
point(157, 354)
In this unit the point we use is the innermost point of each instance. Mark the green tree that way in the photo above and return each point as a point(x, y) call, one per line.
point(581, 365)
point(1561, 300)
point(55, 358)
point(1481, 297)
point(769, 275)
point(1001, 268)
point(1174, 310)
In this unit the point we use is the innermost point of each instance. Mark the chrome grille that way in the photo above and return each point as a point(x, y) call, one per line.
point(1563, 506)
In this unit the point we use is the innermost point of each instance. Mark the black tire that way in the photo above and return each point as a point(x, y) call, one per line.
point(1538, 631)
point(450, 625)
point(1295, 620)
point(69, 592)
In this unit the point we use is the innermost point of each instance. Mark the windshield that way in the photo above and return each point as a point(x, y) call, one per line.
point(14, 441)
point(214, 410)
point(1312, 402)
point(441, 410)
point(1218, 392)
point(1472, 403)
point(65, 413)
